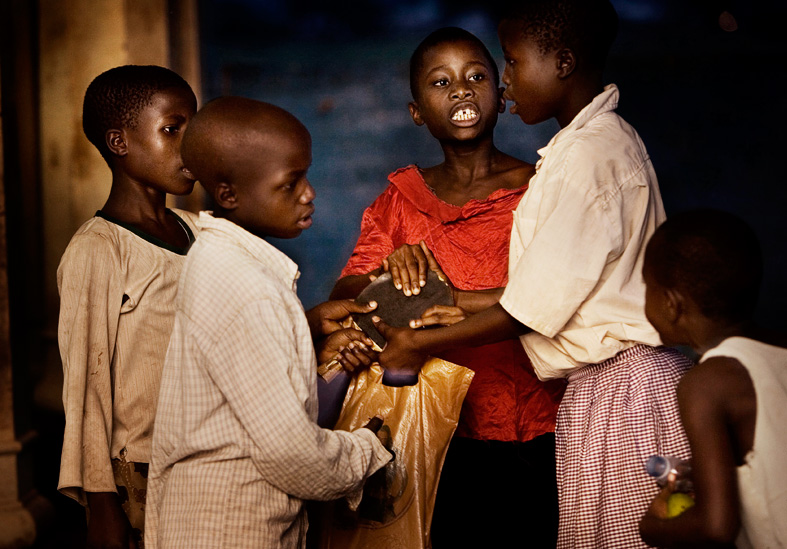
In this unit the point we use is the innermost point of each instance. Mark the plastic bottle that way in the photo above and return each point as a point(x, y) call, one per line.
point(660, 467)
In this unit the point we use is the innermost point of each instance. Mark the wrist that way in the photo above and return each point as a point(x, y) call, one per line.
point(459, 298)
point(399, 378)
point(313, 320)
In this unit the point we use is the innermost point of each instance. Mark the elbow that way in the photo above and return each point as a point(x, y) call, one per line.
point(722, 533)
point(721, 529)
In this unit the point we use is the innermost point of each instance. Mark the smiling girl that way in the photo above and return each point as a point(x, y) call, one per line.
point(461, 210)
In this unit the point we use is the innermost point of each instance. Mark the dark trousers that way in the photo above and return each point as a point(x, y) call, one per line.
point(497, 494)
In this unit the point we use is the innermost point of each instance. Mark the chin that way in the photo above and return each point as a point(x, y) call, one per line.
point(286, 235)
point(182, 188)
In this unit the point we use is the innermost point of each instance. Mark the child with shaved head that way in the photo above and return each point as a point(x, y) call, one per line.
point(703, 271)
point(236, 448)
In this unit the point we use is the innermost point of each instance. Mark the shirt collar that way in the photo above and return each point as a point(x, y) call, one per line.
point(604, 102)
point(255, 246)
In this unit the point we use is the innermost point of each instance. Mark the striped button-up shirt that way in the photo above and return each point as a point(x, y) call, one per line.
point(235, 447)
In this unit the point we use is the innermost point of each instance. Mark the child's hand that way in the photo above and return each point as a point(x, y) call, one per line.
point(374, 424)
point(658, 507)
point(400, 354)
point(408, 265)
point(330, 316)
point(439, 315)
point(108, 527)
point(350, 347)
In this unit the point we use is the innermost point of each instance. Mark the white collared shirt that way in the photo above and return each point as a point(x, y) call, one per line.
point(235, 445)
point(578, 242)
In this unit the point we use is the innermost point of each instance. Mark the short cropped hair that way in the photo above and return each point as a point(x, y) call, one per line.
point(587, 27)
point(442, 36)
point(115, 98)
point(713, 256)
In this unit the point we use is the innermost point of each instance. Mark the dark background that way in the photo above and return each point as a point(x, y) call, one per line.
point(701, 81)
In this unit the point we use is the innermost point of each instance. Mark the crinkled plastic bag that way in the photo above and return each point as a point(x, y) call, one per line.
point(419, 421)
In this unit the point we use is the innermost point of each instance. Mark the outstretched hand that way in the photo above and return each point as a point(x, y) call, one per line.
point(349, 347)
point(330, 316)
point(409, 264)
point(400, 353)
point(439, 315)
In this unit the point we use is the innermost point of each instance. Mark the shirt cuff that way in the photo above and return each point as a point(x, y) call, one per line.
point(380, 458)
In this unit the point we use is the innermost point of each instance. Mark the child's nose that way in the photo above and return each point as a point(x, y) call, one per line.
point(308, 193)
point(505, 78)
point(461, 92)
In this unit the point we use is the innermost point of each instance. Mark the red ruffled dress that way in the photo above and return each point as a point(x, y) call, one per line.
point(506, 401)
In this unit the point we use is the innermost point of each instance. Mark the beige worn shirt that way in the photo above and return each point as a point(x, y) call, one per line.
point(117, 304)
point(236, 447)
point(578, 241)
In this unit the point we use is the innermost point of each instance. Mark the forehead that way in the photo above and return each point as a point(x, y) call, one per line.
point(175, 101)
point(464, 51)
point(266, 152)
point(512, 35)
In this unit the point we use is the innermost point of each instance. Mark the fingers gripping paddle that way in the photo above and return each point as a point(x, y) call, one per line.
point(397, 309)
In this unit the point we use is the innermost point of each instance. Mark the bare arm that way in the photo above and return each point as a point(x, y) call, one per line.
point(709, 397)
point(406, 347)
point(348, 287)
point(108, 527)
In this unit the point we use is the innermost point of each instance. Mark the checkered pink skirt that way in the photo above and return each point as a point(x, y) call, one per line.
point(614, 415)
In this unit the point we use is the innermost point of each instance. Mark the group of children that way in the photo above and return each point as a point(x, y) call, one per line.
point(190, 378)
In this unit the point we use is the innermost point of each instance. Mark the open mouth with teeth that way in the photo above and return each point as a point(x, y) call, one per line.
point(462, 115)
point(465, 114)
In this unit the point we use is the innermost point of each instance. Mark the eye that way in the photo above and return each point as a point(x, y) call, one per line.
point(171, 129)
point(442, 82)
point(477, 77)
point(289, 186)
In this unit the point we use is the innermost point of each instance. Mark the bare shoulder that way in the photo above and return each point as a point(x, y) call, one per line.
point(717, 396)
point(512, 172)
point(718, 378)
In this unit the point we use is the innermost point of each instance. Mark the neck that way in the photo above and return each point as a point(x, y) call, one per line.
point(583, 91)
point(131, 202)
point(466, 162)
point(712, 333)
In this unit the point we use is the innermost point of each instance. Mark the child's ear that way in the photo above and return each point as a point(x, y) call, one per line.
point(415, 112)
point(116, 142)
point(565, 62)
point(676, 305)
point(501, 101)
point(225, 196)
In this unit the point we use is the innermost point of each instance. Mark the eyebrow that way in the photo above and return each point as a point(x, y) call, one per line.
point(444, 67)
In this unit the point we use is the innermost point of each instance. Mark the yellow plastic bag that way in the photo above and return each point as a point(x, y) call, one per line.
point(419, 421)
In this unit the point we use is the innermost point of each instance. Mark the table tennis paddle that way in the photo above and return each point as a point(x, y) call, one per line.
point(397, 309)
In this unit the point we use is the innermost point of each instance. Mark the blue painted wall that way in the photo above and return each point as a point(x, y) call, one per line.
point(707, 102)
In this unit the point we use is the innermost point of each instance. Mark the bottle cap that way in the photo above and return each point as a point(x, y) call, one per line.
point(657, 466)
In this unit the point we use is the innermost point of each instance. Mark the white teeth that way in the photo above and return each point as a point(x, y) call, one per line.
point(464, 114)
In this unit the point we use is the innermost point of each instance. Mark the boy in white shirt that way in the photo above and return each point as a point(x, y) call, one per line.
point(236, 448)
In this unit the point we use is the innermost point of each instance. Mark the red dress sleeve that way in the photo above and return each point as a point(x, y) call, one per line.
point(375, 242)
